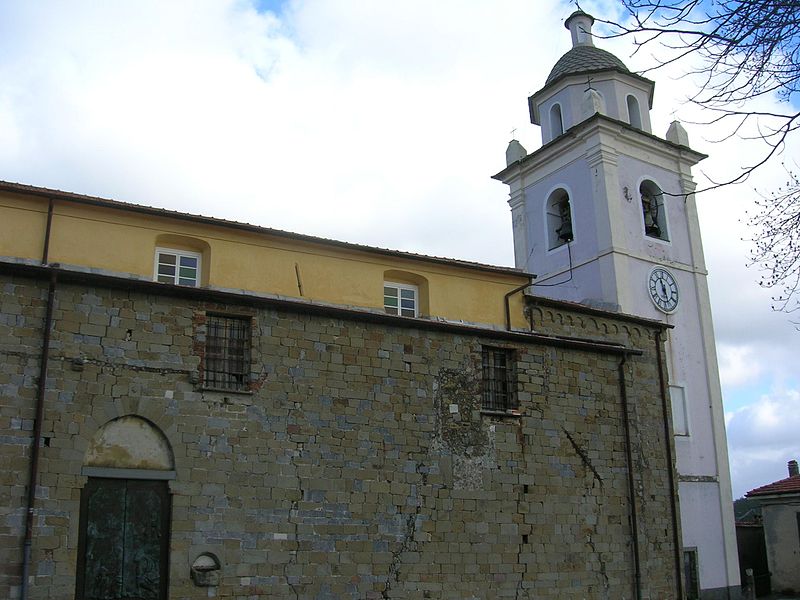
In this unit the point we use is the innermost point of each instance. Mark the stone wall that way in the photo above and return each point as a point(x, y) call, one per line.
point(360, 465)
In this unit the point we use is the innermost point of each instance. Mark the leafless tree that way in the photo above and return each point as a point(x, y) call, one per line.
point(777, 243)
point(745, 51)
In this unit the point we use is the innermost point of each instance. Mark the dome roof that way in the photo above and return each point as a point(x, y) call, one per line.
point(585, 59)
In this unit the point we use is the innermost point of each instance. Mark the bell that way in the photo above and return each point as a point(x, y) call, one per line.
point(565, 231)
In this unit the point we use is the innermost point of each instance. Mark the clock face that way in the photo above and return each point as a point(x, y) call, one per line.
point(663, 290)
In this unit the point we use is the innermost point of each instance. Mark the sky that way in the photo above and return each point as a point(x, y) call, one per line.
point(376, 122)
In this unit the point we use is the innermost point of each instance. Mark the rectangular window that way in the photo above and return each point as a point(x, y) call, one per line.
point(178, 267)
point(680, 416)
point(227, 358)
point(690, 574)
point(400, 299)
point(498, 379)
point(797, 516)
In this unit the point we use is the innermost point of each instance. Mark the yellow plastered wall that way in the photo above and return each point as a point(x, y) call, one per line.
point(123, 242)
point(22, 226)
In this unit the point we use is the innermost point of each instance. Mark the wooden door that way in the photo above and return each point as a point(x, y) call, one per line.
point(124, 540)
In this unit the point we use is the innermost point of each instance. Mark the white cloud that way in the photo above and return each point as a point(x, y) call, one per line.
point(738, 365)
point(762, 438)
point(371, 122)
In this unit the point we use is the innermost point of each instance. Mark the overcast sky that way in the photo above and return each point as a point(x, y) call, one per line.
point(373, 122)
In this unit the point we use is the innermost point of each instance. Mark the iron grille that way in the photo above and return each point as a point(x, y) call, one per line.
point(227, 364)
point(498, 388)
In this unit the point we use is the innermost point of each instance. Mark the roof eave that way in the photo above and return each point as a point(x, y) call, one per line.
point(46, 193)
point(772, 495)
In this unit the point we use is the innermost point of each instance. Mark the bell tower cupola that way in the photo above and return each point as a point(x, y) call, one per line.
point(588, 80)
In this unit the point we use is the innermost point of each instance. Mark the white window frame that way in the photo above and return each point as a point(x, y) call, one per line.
point(178, 255)
point(400, 287)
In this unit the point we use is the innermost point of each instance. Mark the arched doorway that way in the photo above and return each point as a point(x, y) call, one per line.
point(123, 546)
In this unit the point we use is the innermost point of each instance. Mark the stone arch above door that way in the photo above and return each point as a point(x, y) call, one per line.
point(129, 442)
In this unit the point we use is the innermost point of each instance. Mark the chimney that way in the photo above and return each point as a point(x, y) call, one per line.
point(580, 26)
point(793, 471)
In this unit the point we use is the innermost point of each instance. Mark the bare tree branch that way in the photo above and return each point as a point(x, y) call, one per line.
point(747, 50)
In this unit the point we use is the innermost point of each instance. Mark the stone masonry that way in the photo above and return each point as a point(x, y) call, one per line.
point(360, 464)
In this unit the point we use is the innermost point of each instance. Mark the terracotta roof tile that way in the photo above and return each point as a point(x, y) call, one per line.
point(790, 485)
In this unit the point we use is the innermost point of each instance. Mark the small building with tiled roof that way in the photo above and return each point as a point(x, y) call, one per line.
point(789, 485)
point(780, 509)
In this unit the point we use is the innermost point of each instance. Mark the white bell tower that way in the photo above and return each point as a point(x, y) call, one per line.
point(604, 213)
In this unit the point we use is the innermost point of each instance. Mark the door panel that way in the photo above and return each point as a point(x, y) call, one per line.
point(105, 510)
point(124, 540)
point(141, 571)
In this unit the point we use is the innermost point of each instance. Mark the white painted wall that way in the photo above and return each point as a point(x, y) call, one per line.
point(703, 529)
point(613, 88)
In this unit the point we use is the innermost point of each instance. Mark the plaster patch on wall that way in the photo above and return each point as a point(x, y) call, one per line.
point(129, 443)
point(458, 416)
point(460, 430)
point(469, 471)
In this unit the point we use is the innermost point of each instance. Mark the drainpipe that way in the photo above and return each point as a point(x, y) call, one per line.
point(37, 437)
point(631, 488)
point(46, 249)
point(39, 413)
point(511, 293)
point(673, 492)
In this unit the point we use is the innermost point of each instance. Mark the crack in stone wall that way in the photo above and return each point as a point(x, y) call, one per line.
point(583, 456)
point(408, 542)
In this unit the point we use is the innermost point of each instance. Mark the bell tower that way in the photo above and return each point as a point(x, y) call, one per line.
point(604, 213)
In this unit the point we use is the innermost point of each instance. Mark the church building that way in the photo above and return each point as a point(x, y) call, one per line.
point(194, 408)
point(604, 213)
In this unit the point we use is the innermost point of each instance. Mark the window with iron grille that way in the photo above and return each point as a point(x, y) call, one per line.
point(227, 358)
point(498, 379)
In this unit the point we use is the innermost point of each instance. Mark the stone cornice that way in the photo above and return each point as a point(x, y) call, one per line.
point(635, 140)
point(294, 305)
